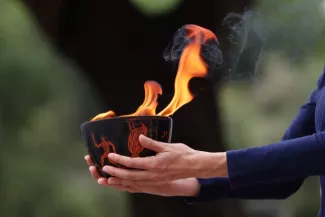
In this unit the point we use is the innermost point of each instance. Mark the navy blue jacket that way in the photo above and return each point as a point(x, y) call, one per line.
point(276, 171)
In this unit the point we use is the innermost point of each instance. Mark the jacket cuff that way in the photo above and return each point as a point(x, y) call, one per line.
point(210, 189)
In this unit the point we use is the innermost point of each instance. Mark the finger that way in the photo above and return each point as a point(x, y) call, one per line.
point(89, 161)
point(94, 173)
point(135, 184)
point(151, 144)
point(136, 162)
point(106, 182)
point(117, 181)
point(131, 174)
point(103, 181)
point(126, 188)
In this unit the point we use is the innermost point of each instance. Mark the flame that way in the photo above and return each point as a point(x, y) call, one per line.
point(190, 65)
point(105, 115)
point(200, 34)
point(149, 105)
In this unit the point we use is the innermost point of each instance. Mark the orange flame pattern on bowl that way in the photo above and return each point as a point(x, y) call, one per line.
point(134, 145)
point(106, 145)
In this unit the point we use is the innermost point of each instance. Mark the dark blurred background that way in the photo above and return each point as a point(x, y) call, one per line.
point(64, 61)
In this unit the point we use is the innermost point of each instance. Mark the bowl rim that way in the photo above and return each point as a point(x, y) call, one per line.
point(130, 117)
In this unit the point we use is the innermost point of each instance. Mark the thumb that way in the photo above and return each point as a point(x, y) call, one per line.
point(151, 144)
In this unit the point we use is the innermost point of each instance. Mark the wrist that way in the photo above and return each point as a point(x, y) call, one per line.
point(213, 164)
point(191, 187)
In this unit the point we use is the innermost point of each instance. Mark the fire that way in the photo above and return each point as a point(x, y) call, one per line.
point(149, 105)
point(190, 65)
point(200, 34)
point(105, 115)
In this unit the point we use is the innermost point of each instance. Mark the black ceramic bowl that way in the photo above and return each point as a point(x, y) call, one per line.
point(121, 135)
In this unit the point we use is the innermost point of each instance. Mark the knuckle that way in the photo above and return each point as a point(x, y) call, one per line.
point(154, 165)
point(125, 183)
point(151, 166)
point(113, 172)
point(127, 175)
point(155, 176)
point(151, 143)
point(128, 162)
point(117, 182)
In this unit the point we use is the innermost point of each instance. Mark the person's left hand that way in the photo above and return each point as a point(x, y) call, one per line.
point(172, 162)
point(184, 187)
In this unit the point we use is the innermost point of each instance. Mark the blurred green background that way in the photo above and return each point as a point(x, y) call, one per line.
point(44, 100)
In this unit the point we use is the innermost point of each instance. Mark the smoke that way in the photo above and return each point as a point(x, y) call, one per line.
point(210, 50)
point(174, 49)
point(292, 29)
point(247, 39)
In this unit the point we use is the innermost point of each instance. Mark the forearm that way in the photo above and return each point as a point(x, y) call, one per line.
point(212, 164)
point(216, 165)
point(283, 161)
point(302, 125)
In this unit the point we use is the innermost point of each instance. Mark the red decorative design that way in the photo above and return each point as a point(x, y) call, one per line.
point(134, 145)
point(164, 135)
point(106, 145)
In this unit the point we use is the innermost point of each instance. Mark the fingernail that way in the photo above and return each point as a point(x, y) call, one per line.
point(144, 137)
point(111, 155)
point(106, 169)
point(110, 181)
point(101, 181)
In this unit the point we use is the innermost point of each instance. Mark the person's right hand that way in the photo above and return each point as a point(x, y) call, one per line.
point(183, 187)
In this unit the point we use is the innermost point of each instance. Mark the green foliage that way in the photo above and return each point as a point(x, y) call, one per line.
point(258, 110)
point(43, 102)
point(259, 113)
point(155, 7)
point(295, 29)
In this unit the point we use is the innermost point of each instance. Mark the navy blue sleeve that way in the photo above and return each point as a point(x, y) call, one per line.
point(283, 161)
point(214, 188)
point(299, 155)
point(304, 123)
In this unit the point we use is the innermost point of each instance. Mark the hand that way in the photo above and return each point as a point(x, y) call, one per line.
point(172, 162)
point(185, 187)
